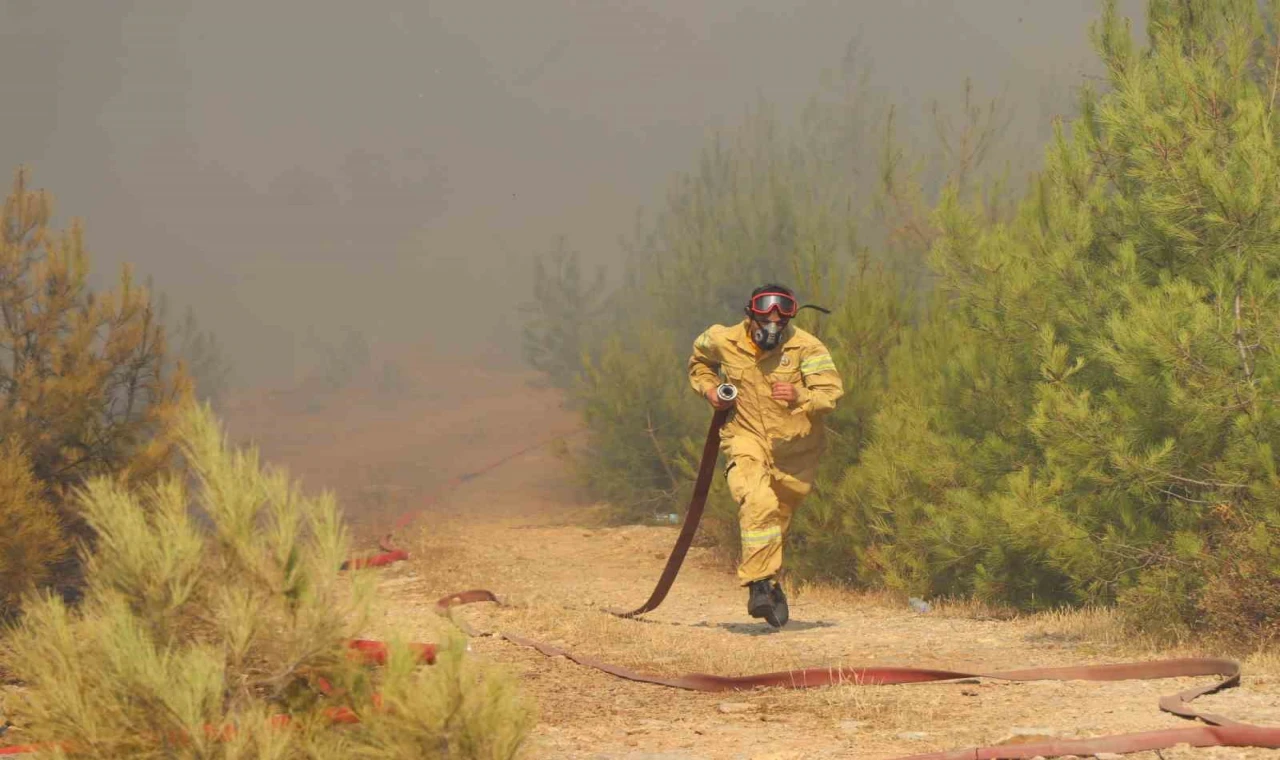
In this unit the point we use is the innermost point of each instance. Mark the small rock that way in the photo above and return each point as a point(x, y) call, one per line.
point(914, 736)
point(1108, 756)
point(735, 707)
point(849, 726)
point(969, 692)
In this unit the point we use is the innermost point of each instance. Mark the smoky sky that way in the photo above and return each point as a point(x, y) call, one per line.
point(294, 169)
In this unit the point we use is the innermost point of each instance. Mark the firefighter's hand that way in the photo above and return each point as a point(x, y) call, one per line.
point(785, 392)
point(715, 400)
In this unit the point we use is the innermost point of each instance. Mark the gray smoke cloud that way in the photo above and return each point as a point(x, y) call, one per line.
point(297, 168)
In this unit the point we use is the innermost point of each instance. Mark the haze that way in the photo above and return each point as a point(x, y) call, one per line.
point(299, 168)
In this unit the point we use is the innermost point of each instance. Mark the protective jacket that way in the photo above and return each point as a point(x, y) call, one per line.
point(771, 447)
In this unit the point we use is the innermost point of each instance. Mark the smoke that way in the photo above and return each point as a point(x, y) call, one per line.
point(301, 170)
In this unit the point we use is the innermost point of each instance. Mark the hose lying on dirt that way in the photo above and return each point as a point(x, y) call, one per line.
point(1221, 731)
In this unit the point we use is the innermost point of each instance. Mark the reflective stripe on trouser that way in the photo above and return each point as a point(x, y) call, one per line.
point(767, 497)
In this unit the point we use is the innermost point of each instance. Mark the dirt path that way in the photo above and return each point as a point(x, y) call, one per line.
point(521, 531)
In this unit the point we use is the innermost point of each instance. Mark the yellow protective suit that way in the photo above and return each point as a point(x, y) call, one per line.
point(771, 447)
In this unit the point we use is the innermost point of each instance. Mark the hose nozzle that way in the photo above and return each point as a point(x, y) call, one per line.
point(726, 392)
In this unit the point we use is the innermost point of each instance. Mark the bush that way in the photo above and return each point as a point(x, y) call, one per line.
point(640, 415)
point(223, 607)
point(1241, 598)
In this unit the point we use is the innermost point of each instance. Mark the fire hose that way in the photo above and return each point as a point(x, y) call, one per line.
point(1218, 731)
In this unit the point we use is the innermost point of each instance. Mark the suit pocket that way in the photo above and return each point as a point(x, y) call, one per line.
point(735, 375)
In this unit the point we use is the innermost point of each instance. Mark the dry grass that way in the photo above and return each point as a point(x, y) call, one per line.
point(972, 609)
point(1098, 626)
point(880, 708)
point(946, 607)
point(1104, 629)
point(827, 594)
point(1264, 662)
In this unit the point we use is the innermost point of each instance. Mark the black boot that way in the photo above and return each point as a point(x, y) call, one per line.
point(760, 601)
point(780, 611)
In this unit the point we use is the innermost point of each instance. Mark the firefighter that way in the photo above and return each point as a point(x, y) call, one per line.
point(772, 440)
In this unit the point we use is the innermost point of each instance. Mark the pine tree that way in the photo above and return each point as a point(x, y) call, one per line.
point(86, 389)
point(202, 356)
point(562, 318)
point(1100, 425)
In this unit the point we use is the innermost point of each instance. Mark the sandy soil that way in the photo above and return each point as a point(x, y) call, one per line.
point(523, 531)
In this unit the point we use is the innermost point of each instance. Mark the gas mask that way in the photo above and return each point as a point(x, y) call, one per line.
point(767, 334)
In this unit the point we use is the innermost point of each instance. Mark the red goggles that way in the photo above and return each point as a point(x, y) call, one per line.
point(767, 302)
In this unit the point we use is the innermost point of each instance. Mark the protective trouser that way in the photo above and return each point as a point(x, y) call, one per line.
point(767, 498)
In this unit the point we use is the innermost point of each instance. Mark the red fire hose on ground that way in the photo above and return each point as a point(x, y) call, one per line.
point(1218, 731)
